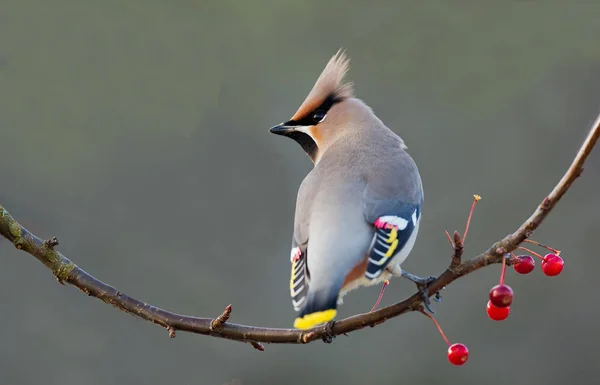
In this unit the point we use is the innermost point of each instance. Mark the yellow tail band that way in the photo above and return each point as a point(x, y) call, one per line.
point(314, 319)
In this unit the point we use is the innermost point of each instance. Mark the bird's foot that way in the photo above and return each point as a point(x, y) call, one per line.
point(329, 337)
point(423, 286)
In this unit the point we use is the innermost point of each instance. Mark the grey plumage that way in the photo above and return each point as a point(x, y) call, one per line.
point(362, 174)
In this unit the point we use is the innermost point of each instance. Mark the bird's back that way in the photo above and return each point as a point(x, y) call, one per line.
point(331, 217)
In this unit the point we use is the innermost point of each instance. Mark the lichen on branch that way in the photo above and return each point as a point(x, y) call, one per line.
point(66, 271)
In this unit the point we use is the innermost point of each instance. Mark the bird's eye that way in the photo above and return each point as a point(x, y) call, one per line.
point(319, 116)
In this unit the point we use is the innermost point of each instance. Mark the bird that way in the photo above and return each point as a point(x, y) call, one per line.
point(358, 210)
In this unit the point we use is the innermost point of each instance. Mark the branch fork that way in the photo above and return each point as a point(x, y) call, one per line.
point(68, 272)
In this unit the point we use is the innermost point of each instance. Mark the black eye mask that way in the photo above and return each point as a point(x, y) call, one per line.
point(317, 115)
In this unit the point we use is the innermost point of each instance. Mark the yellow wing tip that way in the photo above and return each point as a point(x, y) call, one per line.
point(314, 319)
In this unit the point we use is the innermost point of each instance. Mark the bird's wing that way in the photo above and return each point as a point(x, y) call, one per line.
point(392, 202)
point(392, 230)
point(299, 277)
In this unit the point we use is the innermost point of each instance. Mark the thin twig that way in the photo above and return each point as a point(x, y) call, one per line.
point(65, 270)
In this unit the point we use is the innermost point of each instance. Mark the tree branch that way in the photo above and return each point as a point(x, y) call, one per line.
point(67, 271)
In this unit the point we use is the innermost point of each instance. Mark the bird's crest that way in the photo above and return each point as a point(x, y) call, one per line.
point(329, 84)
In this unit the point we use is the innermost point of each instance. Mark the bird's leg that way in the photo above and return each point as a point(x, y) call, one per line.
point(422, 284)
point(418, 280)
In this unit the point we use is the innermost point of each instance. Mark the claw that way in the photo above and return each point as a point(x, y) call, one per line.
point(425, 294)
point(422, 285)
point(328, 337)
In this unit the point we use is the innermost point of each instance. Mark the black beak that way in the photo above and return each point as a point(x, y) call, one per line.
point(282, 129)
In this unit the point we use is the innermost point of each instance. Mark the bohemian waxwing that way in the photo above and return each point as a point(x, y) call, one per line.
point(358, 210)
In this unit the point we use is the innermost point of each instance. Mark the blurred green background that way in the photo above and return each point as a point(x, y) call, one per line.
point(137, 133)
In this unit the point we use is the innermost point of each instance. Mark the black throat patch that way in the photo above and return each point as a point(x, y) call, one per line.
point(306, 142)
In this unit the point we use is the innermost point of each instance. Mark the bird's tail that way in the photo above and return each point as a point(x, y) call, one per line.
point(320, 307)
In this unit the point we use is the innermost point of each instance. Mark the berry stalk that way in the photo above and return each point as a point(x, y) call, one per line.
point(503, 273)
point(476, 199)
point(385, 283)
point(531, 252)
point(552, 249)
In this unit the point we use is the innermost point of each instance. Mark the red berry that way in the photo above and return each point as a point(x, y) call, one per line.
point(458, 354)
point(497, 313)
point(501, 295)
point(524, 265)
point(552, 265)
